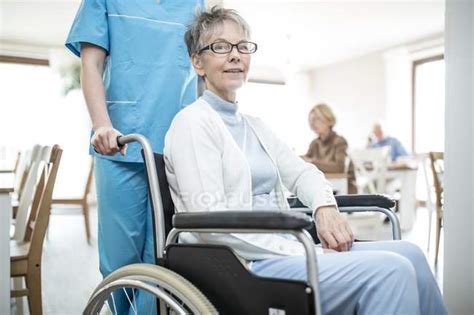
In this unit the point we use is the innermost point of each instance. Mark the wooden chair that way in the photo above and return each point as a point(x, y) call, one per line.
point(25, 255)
point(39, 156)
point(437, 168)
point(425, 161)
point(18, 171)
point(25, 161)
point(82, 201)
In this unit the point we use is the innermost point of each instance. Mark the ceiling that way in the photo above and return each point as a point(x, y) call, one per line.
point(297, 33)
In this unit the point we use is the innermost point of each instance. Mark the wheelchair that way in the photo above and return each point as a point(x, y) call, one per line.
point(211, 279)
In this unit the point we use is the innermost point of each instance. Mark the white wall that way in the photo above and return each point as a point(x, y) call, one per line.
point(355, 90)
point(459, 187)
point(284, 108)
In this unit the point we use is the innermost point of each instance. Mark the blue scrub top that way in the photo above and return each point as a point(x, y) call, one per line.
point(148, 77)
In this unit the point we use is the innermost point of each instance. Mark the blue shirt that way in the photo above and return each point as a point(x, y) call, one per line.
point(263, 171)
point(148, 77)
point(396, 148)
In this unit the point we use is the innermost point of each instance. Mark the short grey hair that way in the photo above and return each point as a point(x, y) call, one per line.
point(207, 23)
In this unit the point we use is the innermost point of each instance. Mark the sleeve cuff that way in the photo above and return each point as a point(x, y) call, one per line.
point(74, 45)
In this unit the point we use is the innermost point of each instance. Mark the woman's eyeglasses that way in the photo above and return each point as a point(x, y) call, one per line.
point(223, 47)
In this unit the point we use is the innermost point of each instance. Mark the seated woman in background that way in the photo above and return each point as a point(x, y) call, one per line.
point(329, 150)
point(218, 159)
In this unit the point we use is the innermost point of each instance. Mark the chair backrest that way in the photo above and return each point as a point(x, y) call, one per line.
point(425, 161)
point(24, 164)
point(40, 155)
point(437, 169)
point(370, 168)
point(17, 162)
point(39, 215)
point(21, 171)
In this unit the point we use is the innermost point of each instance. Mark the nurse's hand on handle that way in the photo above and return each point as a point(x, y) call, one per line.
point(333, 229)
point(104, 141)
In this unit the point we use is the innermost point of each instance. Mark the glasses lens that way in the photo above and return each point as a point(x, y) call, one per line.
point(247, 47)
point(221, 47)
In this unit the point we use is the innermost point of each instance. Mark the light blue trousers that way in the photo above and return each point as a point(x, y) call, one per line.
point(383, 277)
point(125, 233)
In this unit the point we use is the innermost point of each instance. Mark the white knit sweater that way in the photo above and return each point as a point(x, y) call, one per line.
point(207, 171)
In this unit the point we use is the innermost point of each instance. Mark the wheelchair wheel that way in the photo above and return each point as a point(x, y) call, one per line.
point(179, 295)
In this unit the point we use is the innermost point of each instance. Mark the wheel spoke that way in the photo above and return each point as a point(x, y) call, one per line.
point(134, 309)
point(113, 303)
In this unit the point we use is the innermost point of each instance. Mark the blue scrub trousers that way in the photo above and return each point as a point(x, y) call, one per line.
point(383, 277)
point(125, 224)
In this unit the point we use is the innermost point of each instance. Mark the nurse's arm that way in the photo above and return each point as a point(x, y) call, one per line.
point(104, 138)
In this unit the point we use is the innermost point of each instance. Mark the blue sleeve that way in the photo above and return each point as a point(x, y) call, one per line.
point(90, 26)
point(400, 149)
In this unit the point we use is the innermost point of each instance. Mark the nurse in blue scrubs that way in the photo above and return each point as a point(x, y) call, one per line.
point(136, 76)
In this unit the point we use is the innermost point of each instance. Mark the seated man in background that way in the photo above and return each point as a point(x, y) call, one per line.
point(379, 140)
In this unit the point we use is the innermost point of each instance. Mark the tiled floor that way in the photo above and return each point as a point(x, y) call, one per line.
point(70, 267)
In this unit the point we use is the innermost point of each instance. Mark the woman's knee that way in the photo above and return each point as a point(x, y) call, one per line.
point(412, 252)
point(392, 264)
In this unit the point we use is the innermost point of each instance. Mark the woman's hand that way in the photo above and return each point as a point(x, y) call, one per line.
point(333, 230)
point(104, 141)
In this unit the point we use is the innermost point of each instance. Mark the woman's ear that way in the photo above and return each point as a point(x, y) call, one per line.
point(196, 60)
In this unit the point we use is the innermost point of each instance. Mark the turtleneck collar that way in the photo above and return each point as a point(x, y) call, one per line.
point(227, 110)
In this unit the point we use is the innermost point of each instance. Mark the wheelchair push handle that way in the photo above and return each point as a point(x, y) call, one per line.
point(157, 206)
point(120, 142)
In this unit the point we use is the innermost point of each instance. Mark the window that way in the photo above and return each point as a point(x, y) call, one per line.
point(33, 110)
point(428, 105)
point(30, 103)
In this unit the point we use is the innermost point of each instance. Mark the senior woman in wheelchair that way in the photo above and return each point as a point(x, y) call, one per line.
point(219, 159)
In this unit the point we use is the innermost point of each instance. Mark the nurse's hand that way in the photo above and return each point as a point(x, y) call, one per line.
point(333, 229)
point(104, 141)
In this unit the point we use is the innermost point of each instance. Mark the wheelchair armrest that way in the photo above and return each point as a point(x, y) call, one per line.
point(365, 201)
point(353, 201)
point(360, 203)
point(264, 220)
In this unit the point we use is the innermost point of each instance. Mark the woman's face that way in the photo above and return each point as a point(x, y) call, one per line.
point(224, 73)
point(317, 124)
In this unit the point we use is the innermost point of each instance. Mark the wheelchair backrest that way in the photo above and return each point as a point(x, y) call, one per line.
point(167, 201)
